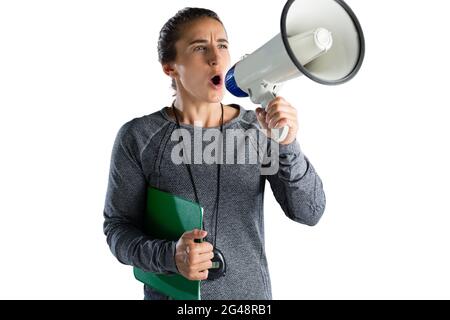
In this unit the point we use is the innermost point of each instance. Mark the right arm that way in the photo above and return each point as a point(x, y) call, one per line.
point(124, 217)
point(124, 212)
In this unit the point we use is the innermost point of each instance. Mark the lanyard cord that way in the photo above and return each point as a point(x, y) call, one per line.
point(218, 173)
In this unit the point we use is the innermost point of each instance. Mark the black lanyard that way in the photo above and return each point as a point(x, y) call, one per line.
point(219, 267)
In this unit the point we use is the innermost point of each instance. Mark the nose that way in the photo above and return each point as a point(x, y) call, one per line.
point(214, 57)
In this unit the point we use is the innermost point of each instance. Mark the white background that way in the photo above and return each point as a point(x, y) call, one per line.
point(72, 72)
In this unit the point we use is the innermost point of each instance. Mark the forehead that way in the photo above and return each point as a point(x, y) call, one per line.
point(204, 29)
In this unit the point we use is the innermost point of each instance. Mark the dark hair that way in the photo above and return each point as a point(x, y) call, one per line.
point(171, 32)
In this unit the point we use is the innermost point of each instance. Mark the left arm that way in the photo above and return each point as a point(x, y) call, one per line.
point(296, 186)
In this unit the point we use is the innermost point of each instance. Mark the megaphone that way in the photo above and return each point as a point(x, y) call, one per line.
point(321, 39)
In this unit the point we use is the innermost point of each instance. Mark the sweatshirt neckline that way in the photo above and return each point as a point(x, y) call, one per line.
point(164, 113)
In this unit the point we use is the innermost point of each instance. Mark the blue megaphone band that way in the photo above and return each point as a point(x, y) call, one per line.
point(231, 85)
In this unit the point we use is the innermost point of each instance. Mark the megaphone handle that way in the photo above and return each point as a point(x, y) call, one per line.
point(276, 134)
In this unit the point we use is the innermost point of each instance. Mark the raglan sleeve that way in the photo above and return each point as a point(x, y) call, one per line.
point(296, 185)
point(124, 211)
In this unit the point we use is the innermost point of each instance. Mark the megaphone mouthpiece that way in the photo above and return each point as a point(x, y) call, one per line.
point(310, 45)
point(323, 38)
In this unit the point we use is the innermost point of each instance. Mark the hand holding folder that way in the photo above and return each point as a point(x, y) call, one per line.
point(167, 217)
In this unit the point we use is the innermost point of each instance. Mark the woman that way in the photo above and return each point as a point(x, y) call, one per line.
point(193, 51)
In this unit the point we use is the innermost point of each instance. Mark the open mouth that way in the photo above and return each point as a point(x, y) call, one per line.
point(216, 80)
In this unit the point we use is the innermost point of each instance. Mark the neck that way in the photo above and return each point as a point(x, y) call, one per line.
point(201, 114)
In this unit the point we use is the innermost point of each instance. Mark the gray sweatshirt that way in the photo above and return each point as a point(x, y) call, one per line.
point(143, 155)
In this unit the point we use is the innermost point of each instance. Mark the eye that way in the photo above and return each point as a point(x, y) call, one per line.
point(223, 46)
point(200, 48)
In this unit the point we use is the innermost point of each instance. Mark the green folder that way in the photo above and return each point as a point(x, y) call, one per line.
point(168, 217)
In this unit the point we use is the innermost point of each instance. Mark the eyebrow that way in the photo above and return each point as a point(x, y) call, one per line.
point(206, 41)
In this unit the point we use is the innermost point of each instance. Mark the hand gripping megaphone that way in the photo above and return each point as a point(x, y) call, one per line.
point(321, 39)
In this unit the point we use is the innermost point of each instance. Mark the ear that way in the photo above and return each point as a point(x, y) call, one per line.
point(169, 70)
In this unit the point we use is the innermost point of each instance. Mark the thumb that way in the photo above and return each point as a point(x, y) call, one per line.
point(261, 116)
point(258, 111)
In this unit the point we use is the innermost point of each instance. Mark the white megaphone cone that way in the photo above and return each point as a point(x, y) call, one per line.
point(321, 39)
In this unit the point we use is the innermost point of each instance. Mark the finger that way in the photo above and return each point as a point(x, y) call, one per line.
point(199, 248)
point(194, 260)
point(277, 117)
point(261, 116)
point(203, 275)
point(281, 108)
point(258, 110)
point(203, 266)
point(271, 120)
point(194, 234)
point(195, 249)
point(277, 99)
point(197, 275)
point(285, 108)
point(205, 257)
point(285, 122)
